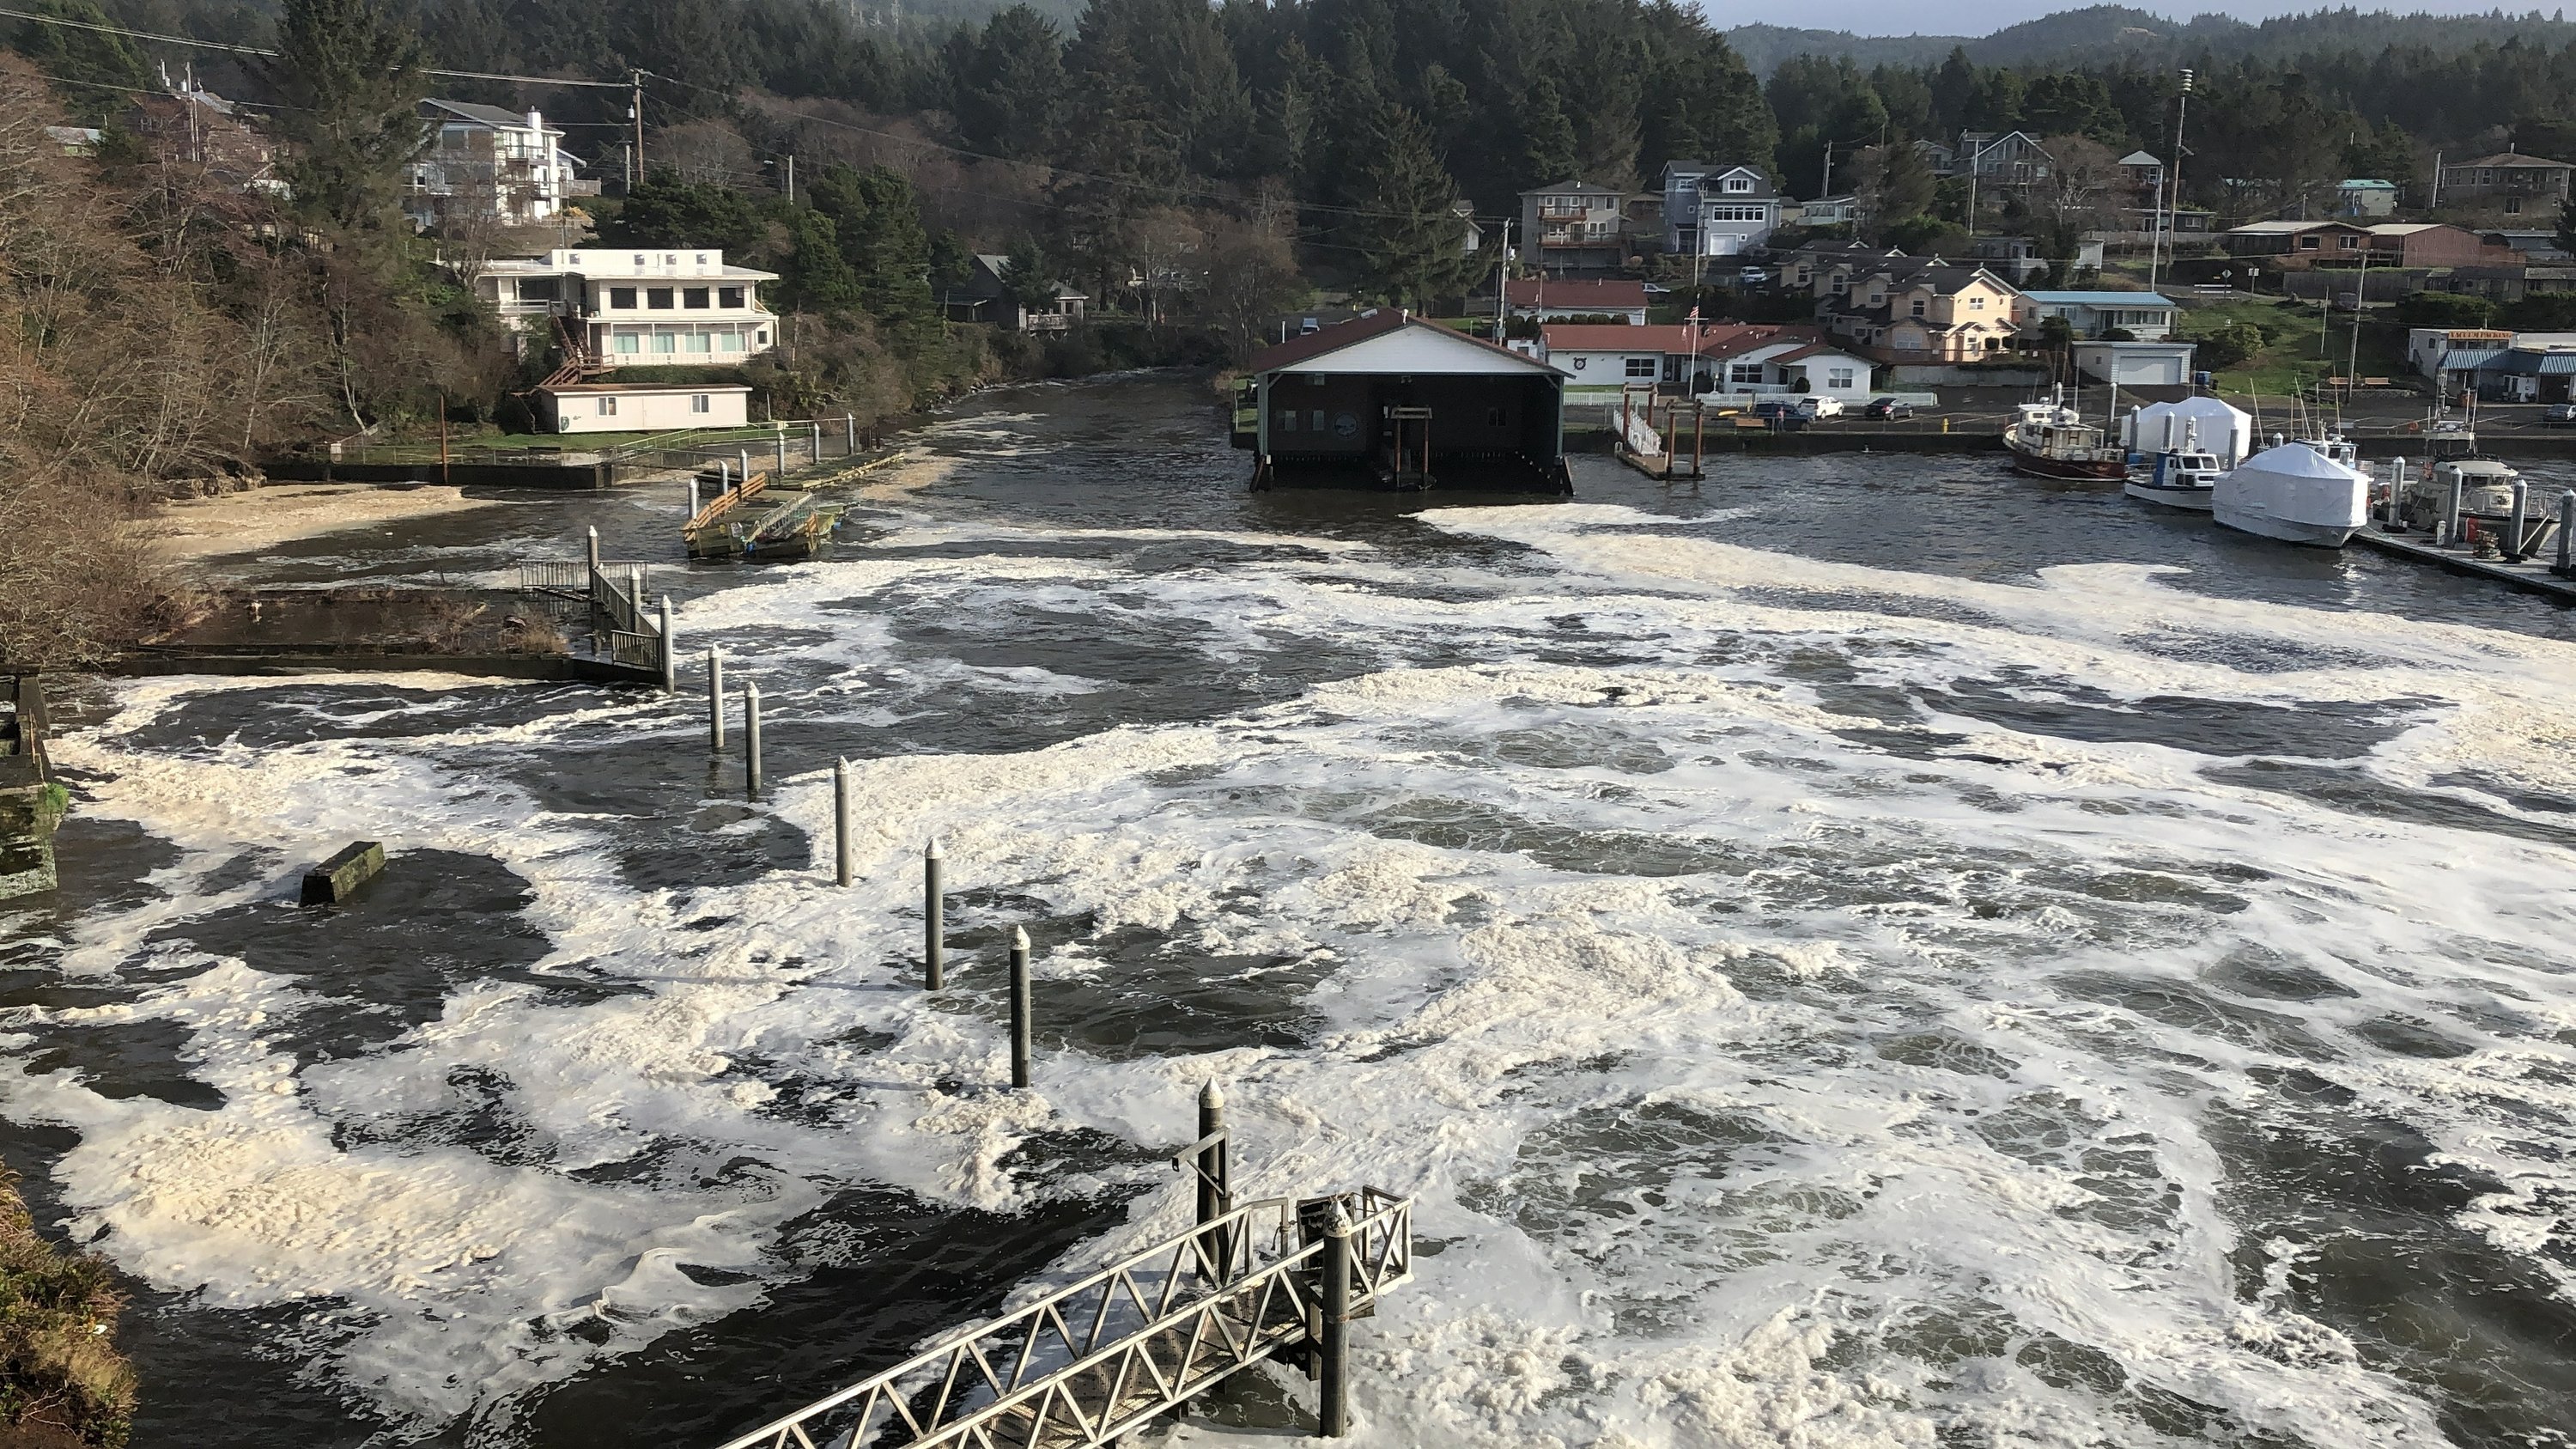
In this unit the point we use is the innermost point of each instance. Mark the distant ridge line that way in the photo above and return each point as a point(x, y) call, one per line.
point(2099, 32)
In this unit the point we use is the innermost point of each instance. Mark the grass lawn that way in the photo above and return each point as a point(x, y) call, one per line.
point(2291, 359)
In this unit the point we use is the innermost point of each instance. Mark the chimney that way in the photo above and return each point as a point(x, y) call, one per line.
point(536, 123)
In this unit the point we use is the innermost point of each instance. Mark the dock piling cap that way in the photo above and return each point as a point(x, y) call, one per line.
point(1020, 939)
point(931, 852)
point(1211, 1095)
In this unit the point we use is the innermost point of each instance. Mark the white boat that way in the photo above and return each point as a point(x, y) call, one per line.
point(2183, 478)
point(2293, 493)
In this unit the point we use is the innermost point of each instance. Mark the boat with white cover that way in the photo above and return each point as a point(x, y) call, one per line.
point(2293, 493)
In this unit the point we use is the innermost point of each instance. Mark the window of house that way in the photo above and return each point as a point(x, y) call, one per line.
point(1744, 372)
point(1921, 307)
point(1842, 284)
point(1498, 417)
point(1316, 421)
point(537, 289)
point(1976, 304)
point(665, 342)
point(729, 297)
point(608, 407)
point(639, 259)
point(702, 259)
point(2349, 243)
point(2308, 244)
point(761, 337)
point(658, 298)
point(694, 297)
point(622, 297)
point(1738, 183)
point(700, 403)
point(2513, 203)
point(626, 342)
point(1643, 367)
point(700, 341)
point(728, 342)
point(1838, 378)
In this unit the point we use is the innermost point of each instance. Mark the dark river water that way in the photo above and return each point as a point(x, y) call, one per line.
point(1865, 951)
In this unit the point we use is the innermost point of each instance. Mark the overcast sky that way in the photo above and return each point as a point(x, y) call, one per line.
point(1978, 17)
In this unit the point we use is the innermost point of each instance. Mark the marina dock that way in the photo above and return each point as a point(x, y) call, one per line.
point(2533, 575)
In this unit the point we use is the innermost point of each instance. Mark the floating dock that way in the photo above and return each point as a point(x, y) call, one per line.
point(755, 518)
point(2531, 574)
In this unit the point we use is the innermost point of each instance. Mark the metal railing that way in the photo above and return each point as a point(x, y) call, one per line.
point(1091, 1361)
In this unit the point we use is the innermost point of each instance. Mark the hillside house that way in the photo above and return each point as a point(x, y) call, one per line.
point(1843, 210)
point(1573, 226)
point(1799, 270)
point(190, 124)
point(1723, 357)
point(625, 308)
point(2365, 197)
point(2145, 316)
point(2142, 177)
point(987, 297)
point(1717, 211)
point(1919, 310)
point(626, 407)
point(2008, 159)
point(2507, 182)
point(2296, 243)
point(484, 165)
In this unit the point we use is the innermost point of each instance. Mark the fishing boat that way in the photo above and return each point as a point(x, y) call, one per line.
point(2183, 477)
point(2051, 440)
point(2293, 493)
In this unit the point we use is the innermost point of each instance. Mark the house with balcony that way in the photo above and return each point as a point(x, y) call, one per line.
point(484, 165)
point(1574, 226)
point(610, 308)
point(1745, 359)
point(2145, 316)
point(988, 296)
point(1918, 310)
point(2506, 182)
point(1718, 211)
point(2364, 196)
point(2007, 159)
point(186, 123)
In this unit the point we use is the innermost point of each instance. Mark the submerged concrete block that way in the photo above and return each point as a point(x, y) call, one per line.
point(338, 878)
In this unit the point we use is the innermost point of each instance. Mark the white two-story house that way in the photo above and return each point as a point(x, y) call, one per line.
point(487, 165)
point(1718, 211)
point(627, 308)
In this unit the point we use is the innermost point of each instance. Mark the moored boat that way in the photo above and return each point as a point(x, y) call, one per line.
point(2183, 478)
point(2052, 440)
point(2293, 493)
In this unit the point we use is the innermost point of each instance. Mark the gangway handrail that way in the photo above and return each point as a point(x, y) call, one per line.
point(1089, 1388)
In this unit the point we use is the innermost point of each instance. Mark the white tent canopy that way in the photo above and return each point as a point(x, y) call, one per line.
point(2213, 425)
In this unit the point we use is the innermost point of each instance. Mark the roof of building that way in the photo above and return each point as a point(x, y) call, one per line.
point(1000, 266)
point(1762, 187)
point(2508, 158)
point(2102, 299)
point(615, 264)
point(1376, 323)
point(1713, 339)
point(2408, 228)
point(2461, 359)
point(1585, 188)
point(475, 111)
point(2358, 183)
point(645, 387)
point(2285, 228)
point(1603, 295)
point(2139, 158)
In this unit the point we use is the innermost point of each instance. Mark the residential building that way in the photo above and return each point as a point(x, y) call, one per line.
point(2134, 364)
point(1918, 310)
point(1573, 226)
point(1393, 399)
point(73, 140)
point(2428, 244)
point(1557, 299)
point(186, 122)
point(484, 165)
point(2016, 259)
point(2142, 182)
point(1798, 271)
point(625, 308)
point(2532, 247)
point(1718, 211)
point(2145, 316)
point(2009, 159)
point(1721, 357)
point(628, 407)
point(987, 297)
point(2507, 181)
point(2364, 197)
point(2296, 243)
point(1843, 210)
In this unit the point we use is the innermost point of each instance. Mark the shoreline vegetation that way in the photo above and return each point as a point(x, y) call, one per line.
point(63, 1383)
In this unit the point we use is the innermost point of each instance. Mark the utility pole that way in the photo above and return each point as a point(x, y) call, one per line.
point(1503, 284)
point(635, 112)
point(2182, 107)
point(2156, 228)
point(1829, 171)
point(791, 181)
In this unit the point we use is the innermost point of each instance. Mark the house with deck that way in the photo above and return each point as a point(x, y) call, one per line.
point(1574, 226)
point(2145, 316)
point(1718, 210)
point(989, 296)
point(610, 307)
point(2507, 182)
point(492, 167)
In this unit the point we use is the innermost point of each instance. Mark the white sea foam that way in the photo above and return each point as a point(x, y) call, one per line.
point(1759, 1083)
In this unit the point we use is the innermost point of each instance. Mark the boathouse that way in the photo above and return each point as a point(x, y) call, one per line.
point(1389, 400)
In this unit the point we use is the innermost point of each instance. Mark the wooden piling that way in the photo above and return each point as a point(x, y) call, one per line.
point(2521, 512)
point(594, 549)
point(934, 973)
point(2567, 533)
point(751, 739)
point(670, 656)
point(850, 435)
point(337, 879)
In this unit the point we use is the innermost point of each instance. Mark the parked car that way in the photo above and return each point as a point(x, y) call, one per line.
point(1887, 409)
point(2559, 415)
point(1752, 277)
point(1820, 407)
point(1774, 407)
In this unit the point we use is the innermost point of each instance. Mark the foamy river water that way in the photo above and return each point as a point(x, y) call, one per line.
point(1871, 951)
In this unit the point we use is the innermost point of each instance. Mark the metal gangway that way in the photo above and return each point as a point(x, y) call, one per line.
point(1281, 1278)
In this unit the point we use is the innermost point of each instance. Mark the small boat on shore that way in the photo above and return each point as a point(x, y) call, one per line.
point(2051, 440)
point(2293, 493)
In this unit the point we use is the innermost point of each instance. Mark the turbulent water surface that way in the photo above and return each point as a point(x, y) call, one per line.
point(1867, 952)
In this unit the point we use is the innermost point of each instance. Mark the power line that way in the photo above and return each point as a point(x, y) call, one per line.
point(159, 39)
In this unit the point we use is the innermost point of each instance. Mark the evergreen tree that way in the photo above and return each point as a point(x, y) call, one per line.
point(1008, 81)
point(1903, 185)
point(2566, 237)
point(1410, 239)
point(888, 252)
point(94, 61)
point(1547, 138)
point(351, 77)
point(815, 277)
point(665, 211)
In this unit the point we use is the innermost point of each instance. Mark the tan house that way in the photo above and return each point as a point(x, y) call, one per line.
point(2507, 181)
point(1934, 312)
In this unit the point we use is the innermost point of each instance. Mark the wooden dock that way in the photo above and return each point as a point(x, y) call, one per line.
point(757, 518)
point(2535, 574)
